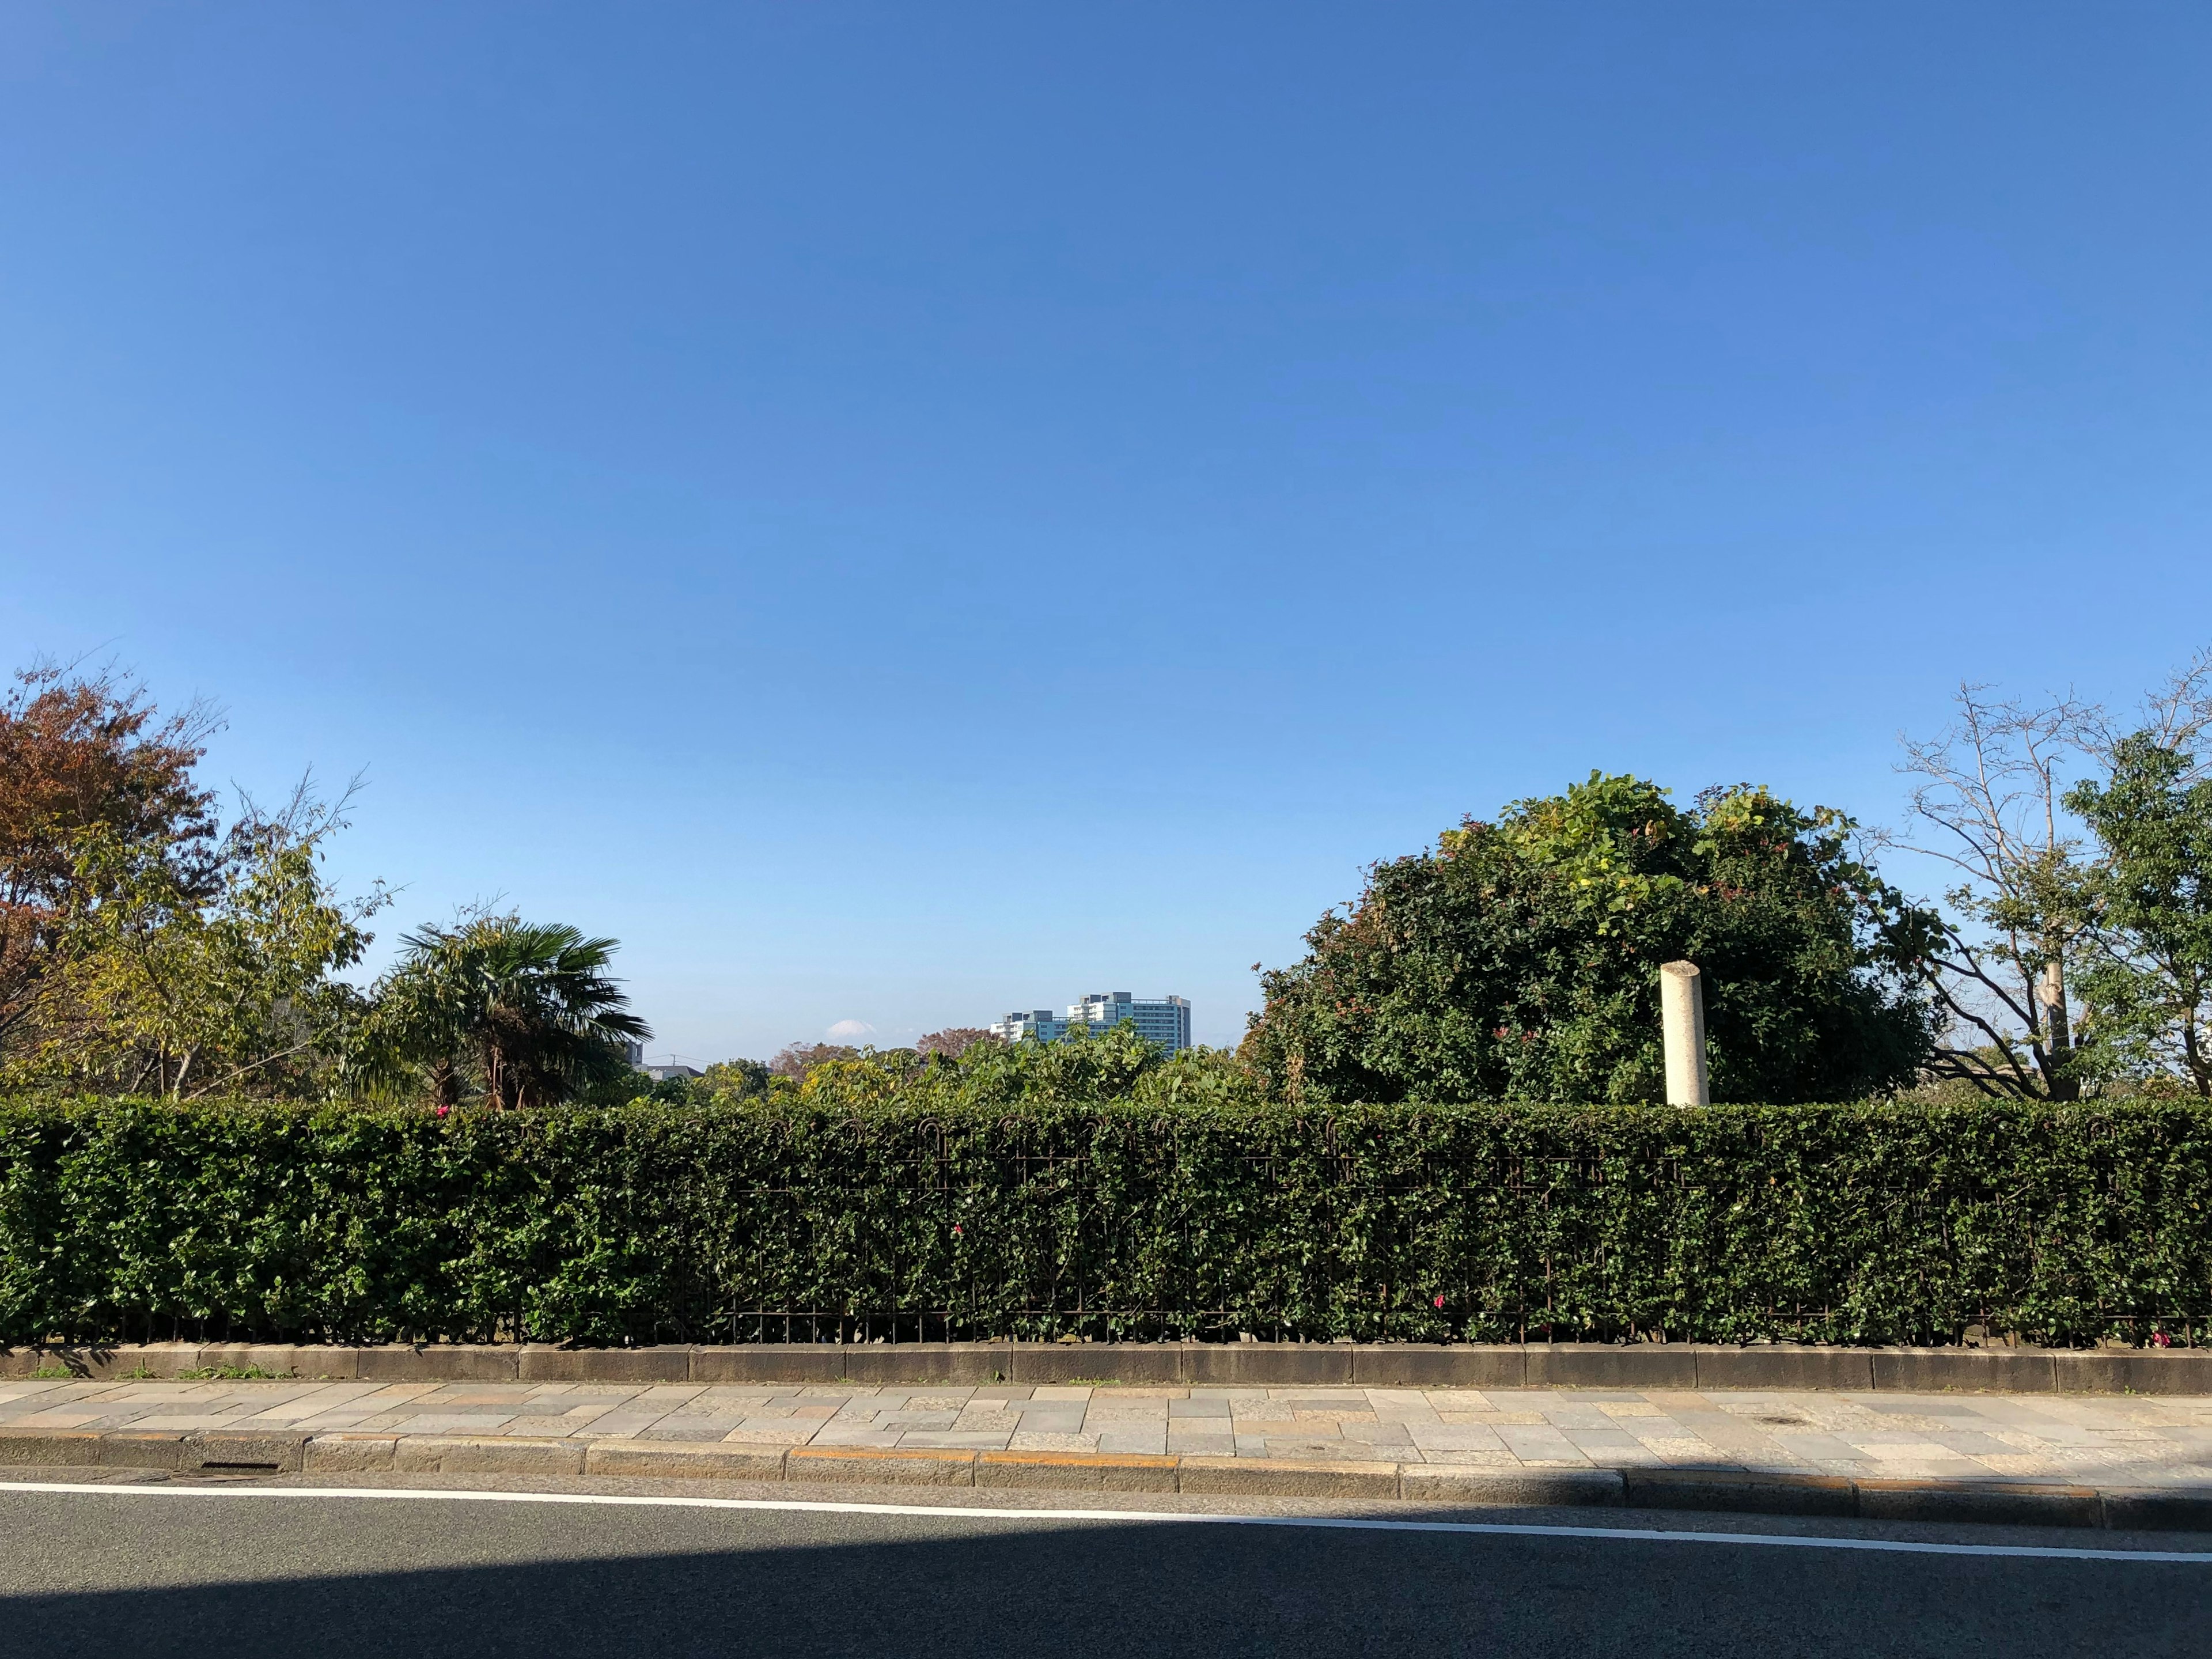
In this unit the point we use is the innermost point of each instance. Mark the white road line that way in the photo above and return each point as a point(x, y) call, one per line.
point(961, 1513)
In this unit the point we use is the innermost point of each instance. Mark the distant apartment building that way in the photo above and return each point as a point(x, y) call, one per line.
point(1166, 1022)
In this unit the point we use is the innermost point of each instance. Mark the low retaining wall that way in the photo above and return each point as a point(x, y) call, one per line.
point(1203, 1364)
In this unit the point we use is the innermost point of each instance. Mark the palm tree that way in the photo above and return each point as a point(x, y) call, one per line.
point(523, 1011)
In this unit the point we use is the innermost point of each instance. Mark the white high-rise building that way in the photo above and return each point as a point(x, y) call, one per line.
point(1166, 1021)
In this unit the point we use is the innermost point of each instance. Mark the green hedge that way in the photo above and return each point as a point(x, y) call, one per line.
point(1136, 1219)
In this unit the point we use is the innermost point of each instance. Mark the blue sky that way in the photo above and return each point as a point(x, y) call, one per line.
point(902, 513)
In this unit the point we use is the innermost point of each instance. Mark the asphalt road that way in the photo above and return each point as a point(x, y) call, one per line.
point(154, 1573)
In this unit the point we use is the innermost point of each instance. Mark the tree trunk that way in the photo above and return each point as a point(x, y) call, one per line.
point(2058, 1037)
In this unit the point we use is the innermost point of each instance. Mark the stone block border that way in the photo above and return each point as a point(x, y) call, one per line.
point(1211, 1364)
point(223, 1452)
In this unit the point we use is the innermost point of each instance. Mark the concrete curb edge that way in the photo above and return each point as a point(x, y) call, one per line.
point(1740, 1491)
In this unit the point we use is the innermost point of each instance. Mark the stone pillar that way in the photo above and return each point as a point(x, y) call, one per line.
point(1682, 1027)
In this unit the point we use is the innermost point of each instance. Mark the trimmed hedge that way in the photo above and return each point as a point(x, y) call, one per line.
point(1144, 1217)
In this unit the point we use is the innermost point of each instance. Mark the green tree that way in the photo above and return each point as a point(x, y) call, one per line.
point(2054, 965)
point(167, 986)
point(733, 1079)
point(2148, 969)
point(797, 1060)
point(953, 1041)
point(514, 1013)
point(1519, 959)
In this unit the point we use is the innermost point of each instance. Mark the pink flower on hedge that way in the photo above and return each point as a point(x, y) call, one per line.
point(956, 1230)
point(444, 1111)
point(1440, 1302)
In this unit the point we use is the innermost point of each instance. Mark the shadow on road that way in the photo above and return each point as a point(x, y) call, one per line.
point(613, 1587)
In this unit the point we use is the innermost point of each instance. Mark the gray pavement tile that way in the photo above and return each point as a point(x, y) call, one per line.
point(1379, 1434)
point(550, 1427)
point(1392, 1411)
point(1291, 1445)
point(1471, 1458)
point(1213, 1405)
point(1574, 1416)
point(777, 1436)
point(1612, 1396)
point(2064, 1434)
point(1672, 1400)
point(1458, 1438)
point(839, 1434)
point(1534, 1444)
point(1916, 1442)
point(1050, 1423)
point(1927, 1470)
point(1152, 1441)
point(177, 1421)
point(947, 1440)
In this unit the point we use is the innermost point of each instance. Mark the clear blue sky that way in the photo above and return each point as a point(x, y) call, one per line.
point(900, 512)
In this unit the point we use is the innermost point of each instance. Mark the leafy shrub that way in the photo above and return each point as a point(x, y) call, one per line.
point(1095, 1188)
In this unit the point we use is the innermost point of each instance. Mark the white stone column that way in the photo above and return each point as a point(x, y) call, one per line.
point(1682, 1028)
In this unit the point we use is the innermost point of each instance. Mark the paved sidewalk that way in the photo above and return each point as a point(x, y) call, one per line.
point(2102, 1441)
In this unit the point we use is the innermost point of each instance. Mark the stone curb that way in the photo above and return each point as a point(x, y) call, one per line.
point(1239, 1364)
point(1732, 1491)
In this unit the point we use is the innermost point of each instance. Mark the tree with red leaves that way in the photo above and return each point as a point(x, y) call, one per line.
point(84, 754)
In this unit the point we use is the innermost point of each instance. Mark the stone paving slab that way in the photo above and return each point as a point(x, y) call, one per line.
point(2139, 1441)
